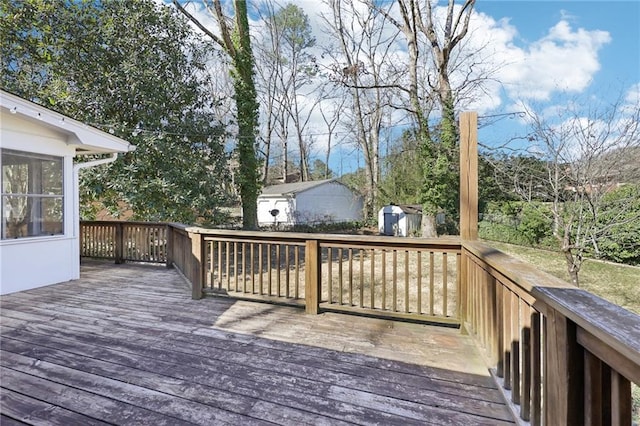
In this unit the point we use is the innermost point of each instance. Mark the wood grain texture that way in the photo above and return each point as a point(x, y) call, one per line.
point(126, 344)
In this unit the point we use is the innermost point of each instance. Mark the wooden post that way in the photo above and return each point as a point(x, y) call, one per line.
point(463, 296)
point(564, 360)
point(197, 265)
point(169, 245)
point(469, 176)
point(313, 279)
point(119, 242)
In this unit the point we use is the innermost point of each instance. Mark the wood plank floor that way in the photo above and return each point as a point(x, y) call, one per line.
point(126, 345)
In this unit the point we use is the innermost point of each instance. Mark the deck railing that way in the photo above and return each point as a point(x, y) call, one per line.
point(408, 279)
point(563, 355)
point(124, 241)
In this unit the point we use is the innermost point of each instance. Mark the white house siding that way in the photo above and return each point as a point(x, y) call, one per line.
point(331, 202)
point(32, 262)
point(283, 204)
point(308, 203)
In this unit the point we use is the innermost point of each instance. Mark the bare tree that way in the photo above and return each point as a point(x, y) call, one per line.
point(235, 41)
point(287, 75)
point(359, 65)
point(587, 155)
point(331, 117)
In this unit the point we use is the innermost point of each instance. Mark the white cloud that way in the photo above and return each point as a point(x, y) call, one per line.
point(564, 60)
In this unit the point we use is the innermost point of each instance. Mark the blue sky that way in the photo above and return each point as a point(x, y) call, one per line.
point(619, 58)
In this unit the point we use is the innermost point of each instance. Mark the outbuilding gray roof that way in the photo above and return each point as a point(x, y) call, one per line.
point(293, 188)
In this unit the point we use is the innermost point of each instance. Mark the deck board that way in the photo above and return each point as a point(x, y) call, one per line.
point(125, 344)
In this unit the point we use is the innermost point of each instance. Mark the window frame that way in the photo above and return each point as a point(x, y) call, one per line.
point(38, 194)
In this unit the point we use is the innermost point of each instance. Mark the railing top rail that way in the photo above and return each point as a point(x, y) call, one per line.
point(372, 240)
point(122, 222)
point(612, 324)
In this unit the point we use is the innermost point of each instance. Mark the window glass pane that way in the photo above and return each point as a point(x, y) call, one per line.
point(15, 177)
point(32, 194)
point(50, 216)
point(30, 216)
point(51, 177)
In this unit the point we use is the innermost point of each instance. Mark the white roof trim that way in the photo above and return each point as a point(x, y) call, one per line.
point(89, 140)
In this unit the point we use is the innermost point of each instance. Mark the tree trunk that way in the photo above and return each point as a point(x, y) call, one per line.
point(429, 227)
point(573, 261)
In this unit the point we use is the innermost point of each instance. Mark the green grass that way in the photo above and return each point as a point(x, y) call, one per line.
point(619, 284)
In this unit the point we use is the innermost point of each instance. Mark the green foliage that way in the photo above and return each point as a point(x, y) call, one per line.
point(294, 27)
point(535, 222)
point(248, 178)
point(320, 170)
point(518, 222)
point(401, 181)
point(621, 212)
point(440, 167)
point(136, 70)
point(330, 228)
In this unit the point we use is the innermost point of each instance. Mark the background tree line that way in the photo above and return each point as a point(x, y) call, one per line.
point(217, 113)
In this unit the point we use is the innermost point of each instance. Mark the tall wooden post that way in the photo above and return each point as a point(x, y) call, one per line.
point(313, 278)
point(119, 243)
point(197, 264)
point(469, 176)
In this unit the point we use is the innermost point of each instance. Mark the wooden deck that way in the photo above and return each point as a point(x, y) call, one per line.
point(126, 345)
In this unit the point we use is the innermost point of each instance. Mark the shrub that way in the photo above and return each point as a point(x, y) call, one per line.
point(535, 223)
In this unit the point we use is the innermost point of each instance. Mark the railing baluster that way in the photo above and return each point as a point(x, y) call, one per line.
point(330, 274)
point(431, 282)
point(372, 279)
point(525, 339)
point(278, 270)
point(360, 254)
point(260, 270)
point(444, 283)
point(621, 404)
point(536, 369)
point(350, 282)
point(297, 270)
point(395, 281)
point(406, 281)
point(507, 312)
point(384, 279)
point(228, 265)
point(515, 348)
point(219, 265)
point(235, 264)
point(419, 281)
point(340, 276)
point(252, 266)
point(286, 273)
point(269, 267)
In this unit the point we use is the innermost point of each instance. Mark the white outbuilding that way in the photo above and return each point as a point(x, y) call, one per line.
point(322, 201)
point(402, 220)
point(39, 238)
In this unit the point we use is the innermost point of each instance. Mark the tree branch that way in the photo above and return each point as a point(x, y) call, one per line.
point(197, 23)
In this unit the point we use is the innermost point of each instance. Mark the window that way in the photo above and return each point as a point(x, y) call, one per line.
point(32, 194)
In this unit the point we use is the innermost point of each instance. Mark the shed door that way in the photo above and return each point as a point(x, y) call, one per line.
point(391, 223)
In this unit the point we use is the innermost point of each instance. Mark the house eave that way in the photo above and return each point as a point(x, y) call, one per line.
point(86, 139)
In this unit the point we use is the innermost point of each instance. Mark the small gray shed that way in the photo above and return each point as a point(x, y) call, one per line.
point(322, 201)
point(400, 220)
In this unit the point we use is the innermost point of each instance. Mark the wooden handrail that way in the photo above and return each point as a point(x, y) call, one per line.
point(590, 348)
